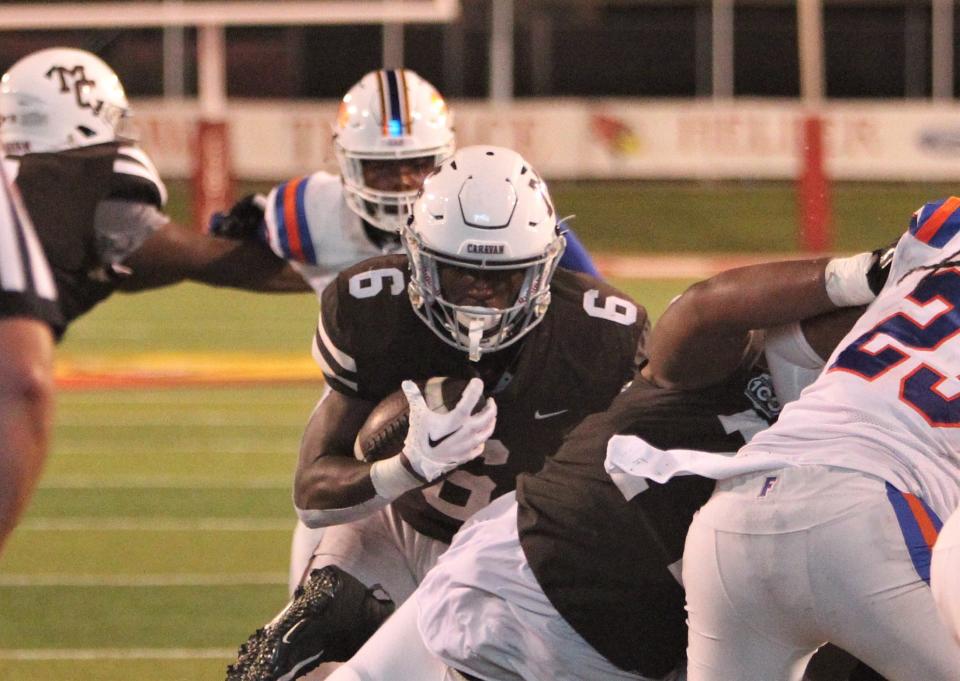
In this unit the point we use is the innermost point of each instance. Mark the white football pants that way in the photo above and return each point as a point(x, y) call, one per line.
point(778, 563)
point(396, 652)
point(945, 574)
point(380, 549)
point(302, 548)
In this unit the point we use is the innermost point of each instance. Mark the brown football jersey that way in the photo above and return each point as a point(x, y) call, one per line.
point(61, 192)
point(611, 566)
point(570, 365)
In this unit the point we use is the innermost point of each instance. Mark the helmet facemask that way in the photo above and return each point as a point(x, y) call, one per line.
point(121, 120)
point(475, 329)
point(383, 206)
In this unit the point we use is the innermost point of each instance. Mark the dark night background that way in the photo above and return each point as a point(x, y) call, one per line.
point(874, 49)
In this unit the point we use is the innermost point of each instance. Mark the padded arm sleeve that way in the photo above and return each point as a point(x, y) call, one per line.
point(121, 227)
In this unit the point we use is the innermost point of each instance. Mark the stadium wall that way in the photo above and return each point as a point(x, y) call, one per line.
point(599, 138)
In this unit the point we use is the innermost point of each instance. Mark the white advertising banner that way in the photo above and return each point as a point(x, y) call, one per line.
point(601, 139)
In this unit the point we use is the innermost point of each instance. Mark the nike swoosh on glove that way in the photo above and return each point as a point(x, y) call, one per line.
point(436, 443)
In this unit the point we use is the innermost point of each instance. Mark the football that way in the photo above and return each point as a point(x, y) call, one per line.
point(385, 429)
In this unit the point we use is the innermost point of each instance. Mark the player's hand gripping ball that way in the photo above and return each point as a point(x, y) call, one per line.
point(451, 423)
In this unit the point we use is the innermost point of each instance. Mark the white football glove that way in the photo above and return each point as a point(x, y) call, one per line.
point(437, 443)
point(858, 279)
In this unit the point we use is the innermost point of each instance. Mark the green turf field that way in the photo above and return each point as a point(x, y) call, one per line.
point(159, 537)
point(718, 216)
point(733, 217)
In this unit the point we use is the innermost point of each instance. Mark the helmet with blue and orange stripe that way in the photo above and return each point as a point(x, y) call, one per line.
point(392, 129)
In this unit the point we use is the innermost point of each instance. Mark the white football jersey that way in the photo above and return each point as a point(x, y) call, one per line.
point(887, 402)
point(309, 224)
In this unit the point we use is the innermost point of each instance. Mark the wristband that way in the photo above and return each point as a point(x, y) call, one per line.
point(846, 280)
point(391, 478)
point(315, 518)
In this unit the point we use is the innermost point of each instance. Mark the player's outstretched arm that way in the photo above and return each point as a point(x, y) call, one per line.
point(706, 333)
point(26, 412)
point(174, 253)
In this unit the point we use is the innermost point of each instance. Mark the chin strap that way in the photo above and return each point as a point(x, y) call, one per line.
point(475, 330)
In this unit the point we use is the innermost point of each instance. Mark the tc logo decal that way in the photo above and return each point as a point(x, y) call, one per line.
point(76, 80)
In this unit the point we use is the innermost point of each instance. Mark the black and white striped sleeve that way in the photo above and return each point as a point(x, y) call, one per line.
point(136, 178)
point(27, 288)
point(339, 368)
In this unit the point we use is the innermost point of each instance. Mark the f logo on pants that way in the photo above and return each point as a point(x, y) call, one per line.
point(768, 484)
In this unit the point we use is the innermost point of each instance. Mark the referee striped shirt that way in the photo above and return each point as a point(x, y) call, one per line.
point(27, 288)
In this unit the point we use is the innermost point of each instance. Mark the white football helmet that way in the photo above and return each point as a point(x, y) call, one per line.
point(61, 98)
point(485, 208)
point(391, 120)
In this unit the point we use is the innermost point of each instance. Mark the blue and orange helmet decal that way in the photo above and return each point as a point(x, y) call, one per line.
point(394, 103)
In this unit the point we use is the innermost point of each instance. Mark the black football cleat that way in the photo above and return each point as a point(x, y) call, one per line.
point(330, 616)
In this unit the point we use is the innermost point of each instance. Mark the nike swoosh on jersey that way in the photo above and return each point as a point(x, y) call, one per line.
point(434, 443)
point(538, 416)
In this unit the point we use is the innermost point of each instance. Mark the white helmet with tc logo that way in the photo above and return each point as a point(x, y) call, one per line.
point(60, 98)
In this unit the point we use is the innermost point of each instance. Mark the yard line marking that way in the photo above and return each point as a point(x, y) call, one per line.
point(246, 447)
point(180, 398)
point(45, 654)
point(156, 580)
point(94, 523)
point(162, 420)
point(161, 482)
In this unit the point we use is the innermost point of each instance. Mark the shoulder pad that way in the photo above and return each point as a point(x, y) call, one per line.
point(937, 222)
point(600, 309)
point(598, 299)
point(358, 310)
point(136, 178)
point(339, 366)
